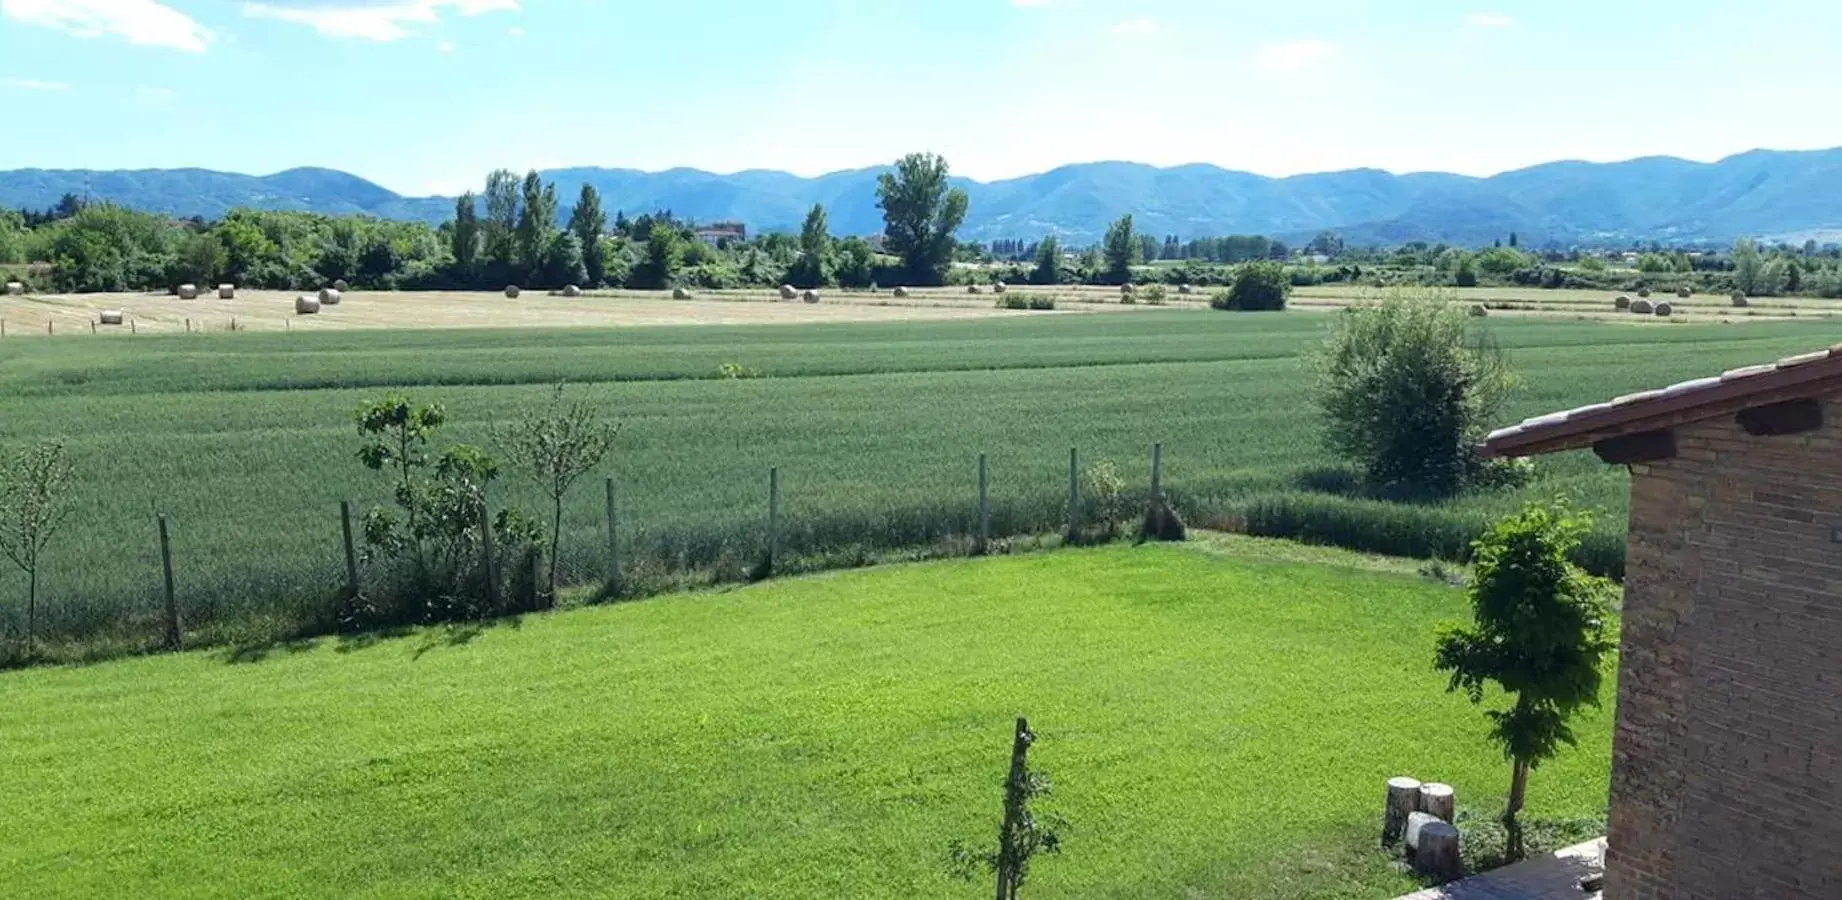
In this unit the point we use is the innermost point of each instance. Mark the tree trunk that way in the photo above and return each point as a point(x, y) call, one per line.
point(1518, 790)
point(31, 609)
point(556, 544)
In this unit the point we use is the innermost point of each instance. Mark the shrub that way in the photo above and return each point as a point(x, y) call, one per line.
point(1407, 388)
point(1041, 302)
point(1257, 286)
point(1013, 301)
point(1154, 294)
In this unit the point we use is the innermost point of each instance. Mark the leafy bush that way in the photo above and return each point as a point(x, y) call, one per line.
point(1257, 286)
point(1154, 294)
point(1041, 302)
point(1406, 388)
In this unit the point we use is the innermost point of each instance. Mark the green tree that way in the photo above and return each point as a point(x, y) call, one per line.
point(1464, 273)
point(1748, 267)
point(1048, 261)
point(1513, 242)
point(814, 266)
point(921, 210)
point(587, 222)
point(564, 260)
point(1501, 261)
point(856, 263)
point(1021, 835)
point(1406, 389)
point(557, 445)
point(663, 254)
point(1257, 286)
point(464, 240)
point(1654, 263)
point(501, 226)
point(34, 499)
point(536, 222)
point(1121, 248)
point(1541, 631)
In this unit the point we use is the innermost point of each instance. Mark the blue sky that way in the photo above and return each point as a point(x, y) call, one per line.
point(425, 96)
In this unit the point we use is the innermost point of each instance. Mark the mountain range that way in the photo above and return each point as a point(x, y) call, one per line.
point(1762, 193)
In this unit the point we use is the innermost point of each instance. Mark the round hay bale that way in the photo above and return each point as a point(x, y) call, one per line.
point(789, 292)
point(512, 292)
point(1740, 301)
point(14, 287)
point(1642, 307)
point(570, 290)
point(1664, 310)
point(1126, 288)
point(109, 317)
point(330, 296)
point(974, 289)
point(1685, 292)
point(1643, 292)
point(1479, 310)
point(306, 305)
point(187, 292)
point(680, 294)
point(340, 285)
point(1622, 303)
point(810, 296)
point(1185, 289)
point(227, 292)
point(901, 291)
point(999, 287)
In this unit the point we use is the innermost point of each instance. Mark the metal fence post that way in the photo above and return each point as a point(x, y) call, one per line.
point(984, 507)
point(175, 637)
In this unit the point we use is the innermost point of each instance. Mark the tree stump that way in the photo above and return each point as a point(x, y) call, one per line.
point(1403, 800)
point(1439, 800)
point(1437, 853)
point(1417, 823)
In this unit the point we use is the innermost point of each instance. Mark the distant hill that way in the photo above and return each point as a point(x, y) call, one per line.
point(1760, 193)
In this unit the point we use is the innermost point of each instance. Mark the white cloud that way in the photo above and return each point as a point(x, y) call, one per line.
point(1136, 27)
point(445, 47)
point(1489, 20)
point(1030, 4)
point(149, 92)
point(515, 31)
point(373, 21)
point(145, 22)
point(1293, 56)
point(32, 84)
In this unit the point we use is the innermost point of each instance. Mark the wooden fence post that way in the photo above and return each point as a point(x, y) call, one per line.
point(175, 638)
point(1157, 471)
point(773, 517)
point(613, 542)
point(984, 508)
point(492, 577)
point(1074, 494)
point(351, 550)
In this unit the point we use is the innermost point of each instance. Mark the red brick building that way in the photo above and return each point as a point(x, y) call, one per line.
point(1727, 758)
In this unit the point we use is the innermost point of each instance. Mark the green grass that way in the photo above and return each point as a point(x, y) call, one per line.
point(1218, 721)
point(245, 439)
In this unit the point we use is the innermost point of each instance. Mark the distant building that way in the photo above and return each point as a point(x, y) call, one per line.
point(878, 242)
point(718, 232)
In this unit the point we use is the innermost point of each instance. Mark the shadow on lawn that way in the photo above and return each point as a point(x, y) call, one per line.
point(434, 637)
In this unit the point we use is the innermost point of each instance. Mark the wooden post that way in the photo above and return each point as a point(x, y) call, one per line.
point(351, 551)
point(984, 508)
point(132, 329)
point(773, 517)
point(188, 325)
point(1439, 800)
point(92, 326)
point(1074, 494)
point(174, 636)
point(613, 543)
point(1403, 801)
point(1157, 471)
point(50, 327)
point(492, 577)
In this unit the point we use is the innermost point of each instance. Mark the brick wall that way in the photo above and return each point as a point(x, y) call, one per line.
point(1727, 759)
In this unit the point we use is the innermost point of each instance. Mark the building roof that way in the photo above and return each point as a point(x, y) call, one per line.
point(1797, 377)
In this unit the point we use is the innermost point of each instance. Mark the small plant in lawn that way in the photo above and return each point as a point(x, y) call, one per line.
point(34, 495)
point(1541, 630)
point(557, 445)
point(735, 370)
point(1021, 836)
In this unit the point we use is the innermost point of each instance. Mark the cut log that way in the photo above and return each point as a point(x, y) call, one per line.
point(1403, 799)
point(1417, 822)
point(1437, 853)
point(1438, 799)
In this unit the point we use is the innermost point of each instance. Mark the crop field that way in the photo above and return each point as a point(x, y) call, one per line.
point(1596, 305)
point(75, 314)
point(814, 737)
point(246, 441)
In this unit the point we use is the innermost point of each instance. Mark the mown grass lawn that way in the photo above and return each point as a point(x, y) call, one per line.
point(1216, 723)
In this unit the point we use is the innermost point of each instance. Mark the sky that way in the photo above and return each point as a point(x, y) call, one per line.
point(426, 96)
